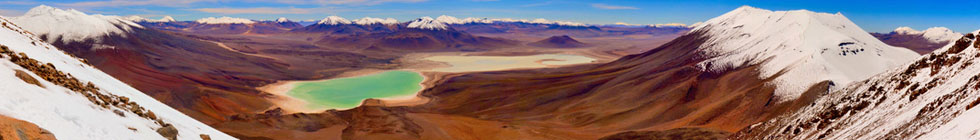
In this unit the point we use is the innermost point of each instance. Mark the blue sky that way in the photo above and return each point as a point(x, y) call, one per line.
point(875, 16)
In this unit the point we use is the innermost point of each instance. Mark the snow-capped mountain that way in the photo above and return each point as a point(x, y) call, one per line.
point(649, 25)
point(477, 20)
point(74, 100)
point(931, 98)
point(743, 67)
point(449, 20)
point(224, 20)
point(371, 20)
point(282, 19)
point(38, 19)
point(334, 20)
point(799, 48)
point(142, 19)
point(934, 34)
point(427, 23)
point(470, 20)
point(920, 41)
point(166, 19)
point(166, 56)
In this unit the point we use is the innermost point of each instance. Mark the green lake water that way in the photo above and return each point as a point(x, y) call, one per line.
point(344, 93)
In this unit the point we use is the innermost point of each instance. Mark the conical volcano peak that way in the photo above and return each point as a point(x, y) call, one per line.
point(796, 44)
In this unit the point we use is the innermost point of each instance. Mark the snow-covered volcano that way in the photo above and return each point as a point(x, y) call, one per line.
point(371, 21)
point(142, 19)
point(798, 48)
point(73, 100)
point(39, 21)
point(334, 20)
point(744, 67)
point(919, 41)
point(428, 23)
point(934, 34)
point(932, 98)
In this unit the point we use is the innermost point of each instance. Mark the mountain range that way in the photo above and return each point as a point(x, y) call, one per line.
point(922, 42)
point(730, 72)
point(747, 74)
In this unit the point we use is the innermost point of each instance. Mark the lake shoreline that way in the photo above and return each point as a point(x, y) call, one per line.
point(428, 69)
point(290, 104)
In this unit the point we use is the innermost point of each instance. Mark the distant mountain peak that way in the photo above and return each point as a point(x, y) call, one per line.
point(933, 34)
point(167, 19)
point(334, 20)
point(428, 23)
point(142, 19)
point(51, 86)
point(562, 41)
point(282, 19)
point(453, 20)
point(801, 46)
point(224, 20)
point(72, 25)
point(449, 19)
point(477, 20)
point(371, 20)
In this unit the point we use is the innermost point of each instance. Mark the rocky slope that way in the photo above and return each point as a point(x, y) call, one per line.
point(922, 42)
point(73, 100)
point(930, 98)
point(201, 78)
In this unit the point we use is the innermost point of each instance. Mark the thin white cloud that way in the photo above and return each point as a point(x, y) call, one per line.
point(123, 3)
point(10, 13)
point(186, 3)
point(18, 3)
point(538, 4)
point(263, 10)
point(612, 7)
point(341, 2)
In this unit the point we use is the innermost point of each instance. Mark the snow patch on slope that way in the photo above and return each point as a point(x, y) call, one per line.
point(46, 20)
point(224, 20)
point(70, 115)
point(803, 46)
point(935, 97)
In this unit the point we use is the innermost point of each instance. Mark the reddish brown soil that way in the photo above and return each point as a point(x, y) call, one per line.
point(13, 129)
point(216, 84)
point(653, 91)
